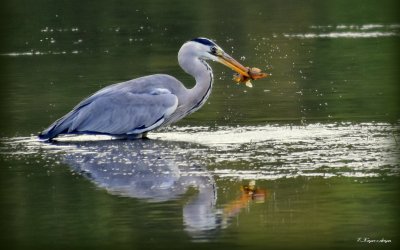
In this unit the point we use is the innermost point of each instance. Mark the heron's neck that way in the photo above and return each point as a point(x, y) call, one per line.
point(204, 79)
point(203, 75)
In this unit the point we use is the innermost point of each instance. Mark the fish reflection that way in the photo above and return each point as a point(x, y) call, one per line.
point(158, 171)
point(249, 193)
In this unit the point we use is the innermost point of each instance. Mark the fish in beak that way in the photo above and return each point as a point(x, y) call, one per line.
point(244, 74)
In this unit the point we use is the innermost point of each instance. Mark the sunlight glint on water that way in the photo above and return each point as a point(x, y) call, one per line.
point(266, 152)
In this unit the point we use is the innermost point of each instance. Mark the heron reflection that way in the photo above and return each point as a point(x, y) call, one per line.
point(158, 171)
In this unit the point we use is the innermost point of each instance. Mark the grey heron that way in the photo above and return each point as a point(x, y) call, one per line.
point(133, 108)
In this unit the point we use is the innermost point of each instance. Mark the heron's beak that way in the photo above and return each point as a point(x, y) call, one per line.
point(228, 61)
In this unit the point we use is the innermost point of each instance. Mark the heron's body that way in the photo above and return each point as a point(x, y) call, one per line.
point(135, 107)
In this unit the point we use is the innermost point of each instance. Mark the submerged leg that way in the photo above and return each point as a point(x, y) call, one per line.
point(144, 136)
point(128, 137)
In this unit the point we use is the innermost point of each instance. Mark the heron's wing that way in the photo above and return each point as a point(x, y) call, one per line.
point(124, 112)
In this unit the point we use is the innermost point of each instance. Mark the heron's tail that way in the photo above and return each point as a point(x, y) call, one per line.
point(58, 127)
point(51, 132)
point(48, 133)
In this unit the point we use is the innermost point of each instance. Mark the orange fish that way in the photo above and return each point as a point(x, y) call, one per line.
point(253, 74)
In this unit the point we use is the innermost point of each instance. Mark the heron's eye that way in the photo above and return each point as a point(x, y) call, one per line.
point(213, 50)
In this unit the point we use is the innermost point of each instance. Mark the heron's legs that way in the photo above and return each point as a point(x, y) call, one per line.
point(144, 136)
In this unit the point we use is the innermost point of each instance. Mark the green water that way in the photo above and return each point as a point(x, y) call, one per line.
point(320, 137)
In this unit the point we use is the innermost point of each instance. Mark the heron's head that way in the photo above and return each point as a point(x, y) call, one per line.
point(206, 49)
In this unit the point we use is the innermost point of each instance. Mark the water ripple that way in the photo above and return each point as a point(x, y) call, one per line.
point(249, 152)
point(348, 31)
